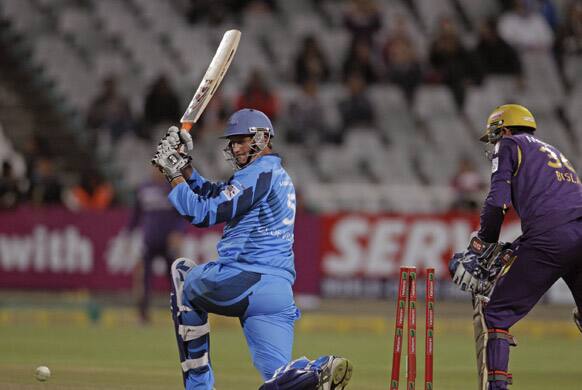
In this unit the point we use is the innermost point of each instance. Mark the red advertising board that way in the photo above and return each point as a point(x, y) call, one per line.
point(336, 255)
point(53, 248)
point(360, 252)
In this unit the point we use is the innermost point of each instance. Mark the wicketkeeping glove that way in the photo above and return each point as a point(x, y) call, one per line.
point(178, 137)
point(474, 270)
point(169, 160)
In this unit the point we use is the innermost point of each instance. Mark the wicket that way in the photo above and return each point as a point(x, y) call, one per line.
point(407, 294)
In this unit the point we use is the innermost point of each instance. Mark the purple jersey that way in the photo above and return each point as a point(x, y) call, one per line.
point(155, 214)
point(538, 180)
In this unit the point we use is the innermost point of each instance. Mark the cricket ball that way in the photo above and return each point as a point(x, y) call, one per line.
point(42, 373)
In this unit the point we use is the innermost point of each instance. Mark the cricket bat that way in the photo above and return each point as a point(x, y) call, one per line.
point(212, 78)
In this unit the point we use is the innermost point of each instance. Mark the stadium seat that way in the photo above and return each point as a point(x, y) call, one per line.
point(78, 25)
point(542, 75)
point(331, 95)
point(551, 130)
point(573, 68)
point(434, 101)
point(477, 11)
point(161, 17)
point(479, 102)
point(23, 16)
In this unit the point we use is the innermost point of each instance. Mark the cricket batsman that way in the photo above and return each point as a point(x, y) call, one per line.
point(507, 280)
point(254, 272)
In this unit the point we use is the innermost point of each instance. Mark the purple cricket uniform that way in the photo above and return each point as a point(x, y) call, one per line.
point(543, 187)
point(158, 219)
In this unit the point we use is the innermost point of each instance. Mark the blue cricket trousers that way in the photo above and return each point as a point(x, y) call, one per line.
point(263, 303)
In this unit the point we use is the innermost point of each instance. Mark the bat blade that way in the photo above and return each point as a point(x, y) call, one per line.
point(212, 78)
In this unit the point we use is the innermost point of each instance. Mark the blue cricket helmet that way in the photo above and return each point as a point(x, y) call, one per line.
point(246, 122)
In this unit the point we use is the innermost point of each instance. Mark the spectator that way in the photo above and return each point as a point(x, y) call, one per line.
point(162, 229)
point(401, 60)
point(257, 95)
point(92, 193)
point(310, 62)
point(360, 59)
point(548, 10)
point(307, 116)
point(34, 148)
point(111, 111)
point(363, 20)
point(525, 29)
point(568, 45)
point(257, 6)
point(162, 105)
point(571, 32)
point(214, 12)
point(451, 63)
point(10, 187)
point(495, 55)
point(468, 186)
point(356, 110)
point(46, 187)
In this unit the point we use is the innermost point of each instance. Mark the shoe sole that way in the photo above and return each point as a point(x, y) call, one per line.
point(341, 373)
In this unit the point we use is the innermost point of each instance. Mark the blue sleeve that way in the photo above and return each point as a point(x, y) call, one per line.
point(223, 204)
point(204, 187)
point(505, 163)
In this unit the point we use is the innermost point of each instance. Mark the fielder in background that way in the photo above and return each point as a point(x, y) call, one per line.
point(508, 280)
point(162, 228)
point(254, 273)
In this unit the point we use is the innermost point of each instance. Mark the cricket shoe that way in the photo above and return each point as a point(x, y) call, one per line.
point(335, 374)
point(180, 268)
point(577, 319)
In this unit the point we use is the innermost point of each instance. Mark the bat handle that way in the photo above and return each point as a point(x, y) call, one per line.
point(187, 126)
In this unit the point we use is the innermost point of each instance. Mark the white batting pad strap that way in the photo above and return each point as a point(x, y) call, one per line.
point(191, 364)
point(189, 332)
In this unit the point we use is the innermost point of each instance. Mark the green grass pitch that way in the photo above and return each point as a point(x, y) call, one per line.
point(116, 353)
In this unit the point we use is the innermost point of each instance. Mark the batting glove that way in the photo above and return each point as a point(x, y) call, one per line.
point(169, 160)
point(178, 137)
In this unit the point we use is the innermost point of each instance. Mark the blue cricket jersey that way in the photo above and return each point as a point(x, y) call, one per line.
point(258, 206)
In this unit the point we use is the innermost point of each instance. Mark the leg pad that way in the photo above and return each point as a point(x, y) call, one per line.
point(190, 325)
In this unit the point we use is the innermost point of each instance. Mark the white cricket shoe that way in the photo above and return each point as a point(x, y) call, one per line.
point(335, 373)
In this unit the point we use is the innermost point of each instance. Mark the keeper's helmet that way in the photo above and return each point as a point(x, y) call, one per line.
point(507, 115)
point(253, 123)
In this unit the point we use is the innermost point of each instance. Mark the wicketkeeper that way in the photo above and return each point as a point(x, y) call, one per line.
point(507, 280)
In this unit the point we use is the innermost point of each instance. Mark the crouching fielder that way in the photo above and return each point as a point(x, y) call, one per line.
point(543, 187)
point(253, 275)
